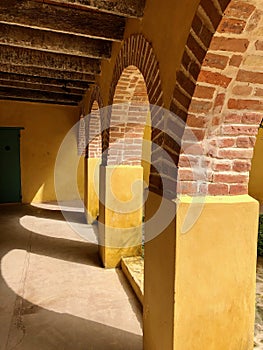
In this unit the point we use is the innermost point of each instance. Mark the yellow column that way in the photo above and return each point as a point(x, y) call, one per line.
point(120, 219)
point(91, 192)
point(201, 293)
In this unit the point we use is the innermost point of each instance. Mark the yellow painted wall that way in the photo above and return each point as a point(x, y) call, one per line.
point(216, 274)
point(120, 219)
point(207, 275)
point(255, 187)
point(45, 126)
point(91, 189)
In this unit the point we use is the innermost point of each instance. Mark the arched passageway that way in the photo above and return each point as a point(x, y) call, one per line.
point(129, 138)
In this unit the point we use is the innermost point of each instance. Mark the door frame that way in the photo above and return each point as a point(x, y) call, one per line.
point(18, 128)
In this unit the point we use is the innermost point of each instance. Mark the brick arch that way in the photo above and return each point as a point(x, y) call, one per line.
point(128, 119)
point(94, 125)
point(217, 95)
point(137, 51)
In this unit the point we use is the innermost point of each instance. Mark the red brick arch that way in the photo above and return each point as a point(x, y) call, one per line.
point(128, 119)
point(94, 124)
point(138, 52)
point(218, 91)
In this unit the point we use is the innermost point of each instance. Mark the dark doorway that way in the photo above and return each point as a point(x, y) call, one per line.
point(10, 179)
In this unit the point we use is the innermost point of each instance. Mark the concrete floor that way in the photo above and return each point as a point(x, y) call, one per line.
point(53, 292)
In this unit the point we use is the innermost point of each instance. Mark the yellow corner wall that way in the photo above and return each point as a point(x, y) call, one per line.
point(255, 186)
point(215, 278)
point(45, 126)
point(91, 188)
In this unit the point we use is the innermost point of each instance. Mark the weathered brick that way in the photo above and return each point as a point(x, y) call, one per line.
point(185, 175)
point(204, 92)
point(187, 187)
point(200, 106)
point(237, 130)
point(196, 121)
point(245, 141)
point(251, 118)
point(237, 153)
point(239, 9)
point(235, 60)
point(226, 142)
point(186, 161)
point(229, 178)
point(253, 105)
point(238, 189)
point(219, 102)
point(259, 45)
point(222, 166)
point(215, 189)
point(241, 166)
point(250, 77)
point(231, 25)
point(233, 118)
point(258, 92)
point(229, 44)
point(242, 90)
point(215, 61)
point(214, 78)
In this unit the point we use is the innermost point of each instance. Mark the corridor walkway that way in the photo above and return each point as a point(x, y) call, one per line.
point(53, 292)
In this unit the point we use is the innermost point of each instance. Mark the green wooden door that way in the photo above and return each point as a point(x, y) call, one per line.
point(10, 182)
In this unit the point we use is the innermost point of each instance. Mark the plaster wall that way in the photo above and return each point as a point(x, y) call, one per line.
point(45, 127)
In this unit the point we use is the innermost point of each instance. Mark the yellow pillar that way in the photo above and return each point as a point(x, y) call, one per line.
point(200, 275)
point(91, 191)
point(120, 219)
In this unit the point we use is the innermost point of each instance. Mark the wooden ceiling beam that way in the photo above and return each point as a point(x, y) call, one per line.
point(35, 58)
point(44, 96)
point(44, 40)
point(88, 23)
point(47, 73)
point(127, 8)
point(39, 80)
point(46, 101)
point(40, 87)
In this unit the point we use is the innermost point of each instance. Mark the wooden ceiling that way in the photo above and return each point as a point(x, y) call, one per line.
point(51, 50)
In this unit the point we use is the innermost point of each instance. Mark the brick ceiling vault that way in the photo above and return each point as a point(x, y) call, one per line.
point(51, 50)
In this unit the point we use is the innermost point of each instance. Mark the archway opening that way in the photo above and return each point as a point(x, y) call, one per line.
point(128, 164)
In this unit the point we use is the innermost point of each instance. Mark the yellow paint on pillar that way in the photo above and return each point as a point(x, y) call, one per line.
point(120, 213)
point(92, 166)
point(207, 276)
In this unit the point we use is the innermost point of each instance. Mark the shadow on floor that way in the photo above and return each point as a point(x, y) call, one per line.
point(28, 326)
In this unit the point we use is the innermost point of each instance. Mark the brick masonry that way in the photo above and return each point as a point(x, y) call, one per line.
point(93, 125)
point(217, 95)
